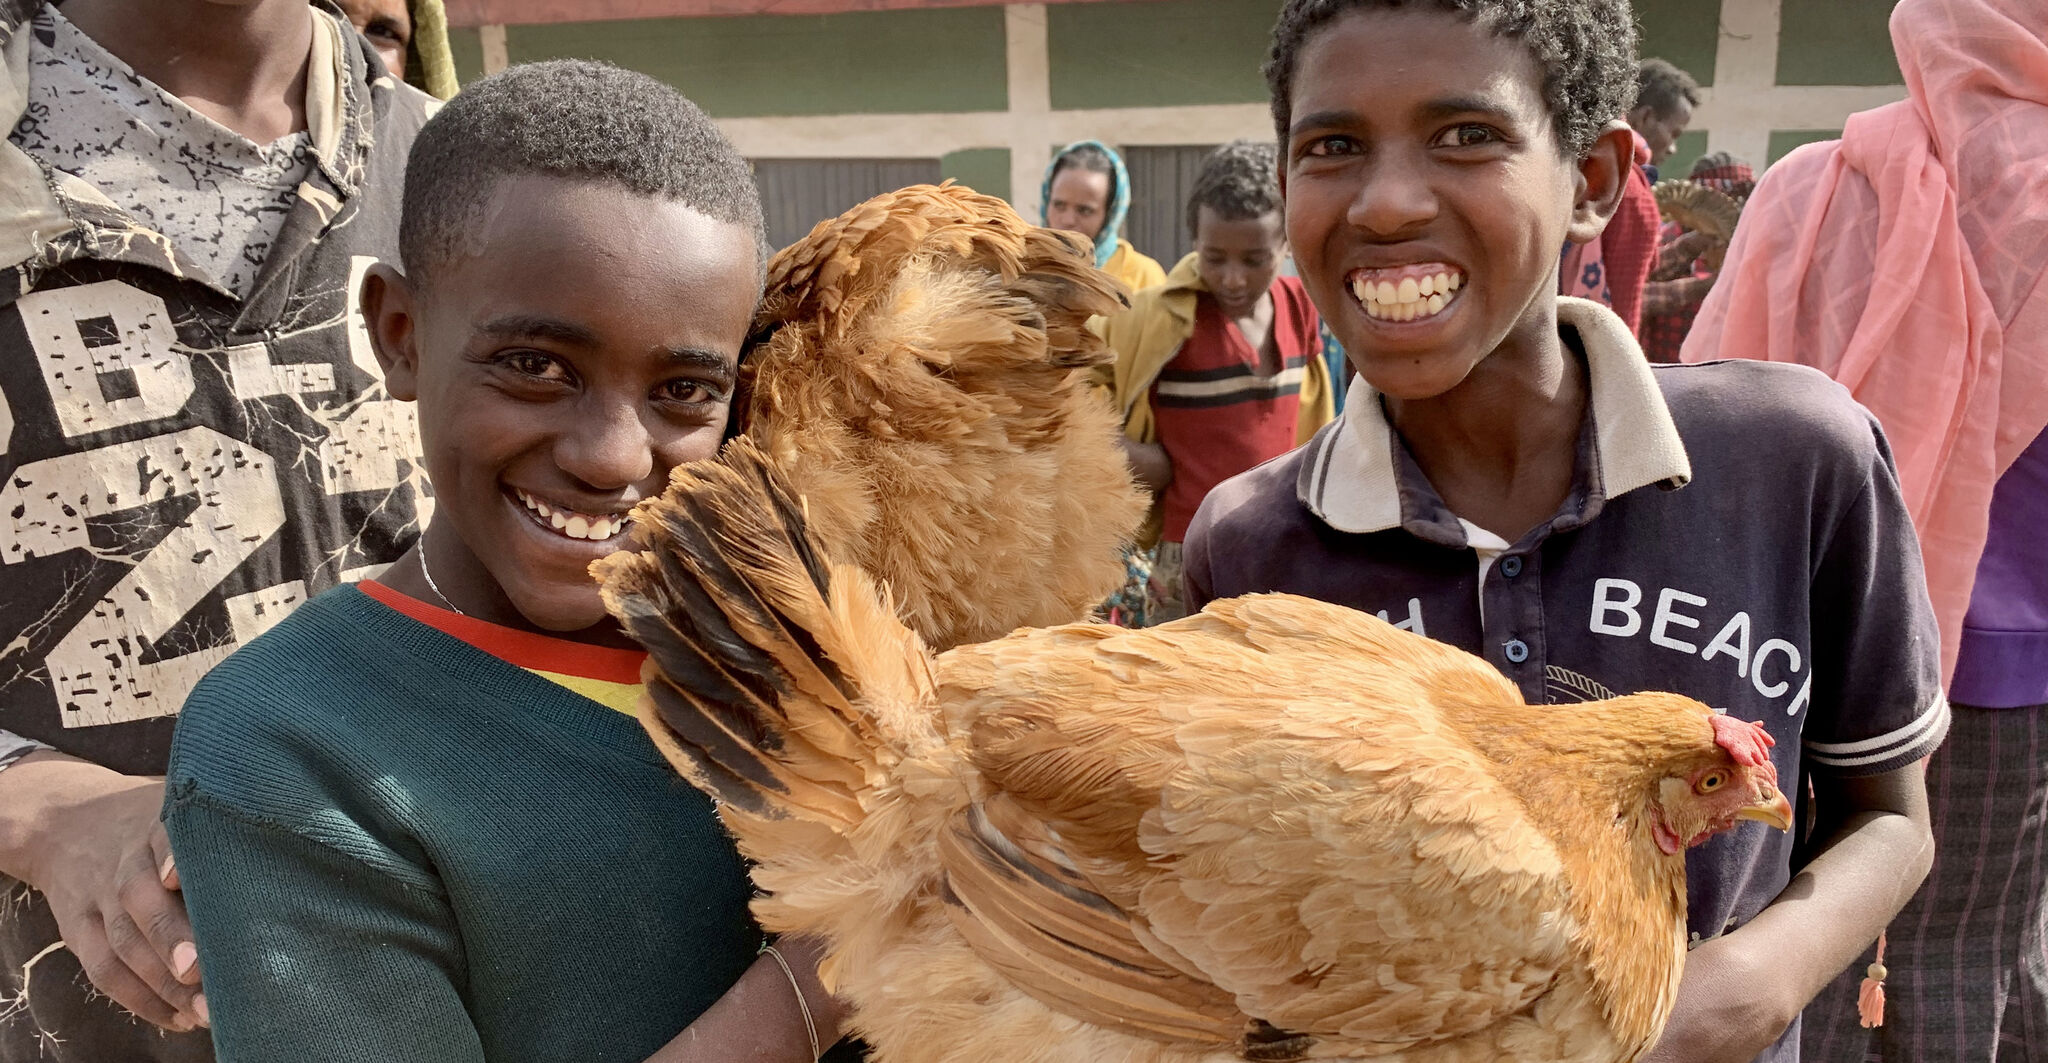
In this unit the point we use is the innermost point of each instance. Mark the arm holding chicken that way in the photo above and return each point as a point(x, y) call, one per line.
point(1743, 989)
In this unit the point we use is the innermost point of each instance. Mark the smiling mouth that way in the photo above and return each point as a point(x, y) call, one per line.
point(1407, 293)
point(570, 524)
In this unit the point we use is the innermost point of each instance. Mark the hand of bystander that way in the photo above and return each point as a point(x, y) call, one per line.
point(91, 841)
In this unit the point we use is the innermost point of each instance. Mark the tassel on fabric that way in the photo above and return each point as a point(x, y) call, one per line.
point(1870, 999)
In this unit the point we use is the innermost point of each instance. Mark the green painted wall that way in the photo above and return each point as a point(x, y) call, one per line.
point(1836, 42)
point(986, 170)
point(467, 49)
point(1686, 32)
point(1102, 55)
point(1691, 145)
point(1172, 52)
point(877, 62)
point(1159, 54)
point(1784, 140)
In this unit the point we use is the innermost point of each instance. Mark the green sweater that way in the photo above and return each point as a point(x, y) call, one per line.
point(396, 847)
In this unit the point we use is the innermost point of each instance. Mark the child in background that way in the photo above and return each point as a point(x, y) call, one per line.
point(416, 820)
point(1221, 367)
point(1511, 477)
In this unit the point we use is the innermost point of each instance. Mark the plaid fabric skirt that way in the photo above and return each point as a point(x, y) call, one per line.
point(1969, 954)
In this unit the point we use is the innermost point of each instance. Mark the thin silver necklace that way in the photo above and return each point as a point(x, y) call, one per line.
point(421, 553)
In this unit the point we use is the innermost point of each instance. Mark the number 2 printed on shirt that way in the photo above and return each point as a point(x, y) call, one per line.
point(111, 359)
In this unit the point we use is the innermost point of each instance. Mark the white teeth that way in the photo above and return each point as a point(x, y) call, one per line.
point(1415, 297)
point(572, 524)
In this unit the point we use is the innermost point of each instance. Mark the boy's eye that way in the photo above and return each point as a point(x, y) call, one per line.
point(1332, 145)
point(384, 29)
point(692, 392)
point(1467, 136)
point(534, 364)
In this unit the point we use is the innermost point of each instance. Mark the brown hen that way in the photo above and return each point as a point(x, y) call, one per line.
point(1276, 830)
point(918, 375)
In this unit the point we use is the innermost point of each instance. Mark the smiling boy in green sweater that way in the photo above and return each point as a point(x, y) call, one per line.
point(412, 821)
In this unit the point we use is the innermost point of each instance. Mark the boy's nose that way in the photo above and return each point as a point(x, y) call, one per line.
point(1394, 198)
point(608, 449)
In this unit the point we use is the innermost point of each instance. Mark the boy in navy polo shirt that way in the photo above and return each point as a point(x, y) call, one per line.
point(1516, 480)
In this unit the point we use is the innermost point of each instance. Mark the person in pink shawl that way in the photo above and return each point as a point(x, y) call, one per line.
point(1906, 260)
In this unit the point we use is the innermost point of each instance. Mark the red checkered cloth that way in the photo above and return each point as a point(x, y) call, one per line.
point(1629, 248)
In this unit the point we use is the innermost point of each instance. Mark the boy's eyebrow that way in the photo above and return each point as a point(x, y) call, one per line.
point(1447, 106)
point(1434, 110)
point(535, 326)
point(702, 358)
point(1336, 117)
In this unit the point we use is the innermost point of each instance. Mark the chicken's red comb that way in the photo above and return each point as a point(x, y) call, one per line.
point(1748, 743)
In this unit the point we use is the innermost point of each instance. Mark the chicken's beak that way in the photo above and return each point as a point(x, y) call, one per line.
point(1769, 807)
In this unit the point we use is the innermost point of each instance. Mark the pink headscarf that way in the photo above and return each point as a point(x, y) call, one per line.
point(1906, 261)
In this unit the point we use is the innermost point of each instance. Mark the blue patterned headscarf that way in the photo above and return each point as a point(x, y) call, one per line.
point(1119, 198)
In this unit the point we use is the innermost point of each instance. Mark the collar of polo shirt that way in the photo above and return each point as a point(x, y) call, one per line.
point(1351, 480)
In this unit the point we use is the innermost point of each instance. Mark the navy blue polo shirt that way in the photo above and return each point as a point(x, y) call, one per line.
point(1734, 533)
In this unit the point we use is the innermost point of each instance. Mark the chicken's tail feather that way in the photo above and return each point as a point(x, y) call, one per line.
point(755, 674)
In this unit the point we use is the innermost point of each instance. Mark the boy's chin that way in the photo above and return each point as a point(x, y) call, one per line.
point(1409, 378)
point(564, 610)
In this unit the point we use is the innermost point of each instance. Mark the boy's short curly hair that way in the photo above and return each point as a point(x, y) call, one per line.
point(1238, 181)
point(1660, 85)
point(1585, 48)
point(581, 120)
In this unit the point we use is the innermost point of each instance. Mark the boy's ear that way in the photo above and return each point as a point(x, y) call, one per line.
point(1603, 176)
point(388, 311)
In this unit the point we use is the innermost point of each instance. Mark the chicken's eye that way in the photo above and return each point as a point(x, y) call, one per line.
point(1711, 782)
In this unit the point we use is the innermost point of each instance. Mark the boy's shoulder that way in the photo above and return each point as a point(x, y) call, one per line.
point(289, 692)
point(1749, 411)
point(1748, 392)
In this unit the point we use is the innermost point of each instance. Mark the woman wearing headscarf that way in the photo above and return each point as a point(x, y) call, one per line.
point(1087, 191)
point(1906, 260)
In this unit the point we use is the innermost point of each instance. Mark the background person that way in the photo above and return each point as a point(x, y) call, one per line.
point(1907, 260)
point(411, 37)
point(1220, 368)
point(197, 440)
point(1087, 191)
point(1688, 261)
point(1665, 98)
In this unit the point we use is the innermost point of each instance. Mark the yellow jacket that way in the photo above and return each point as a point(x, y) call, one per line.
point(1137, 271)
point(1145, 339)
